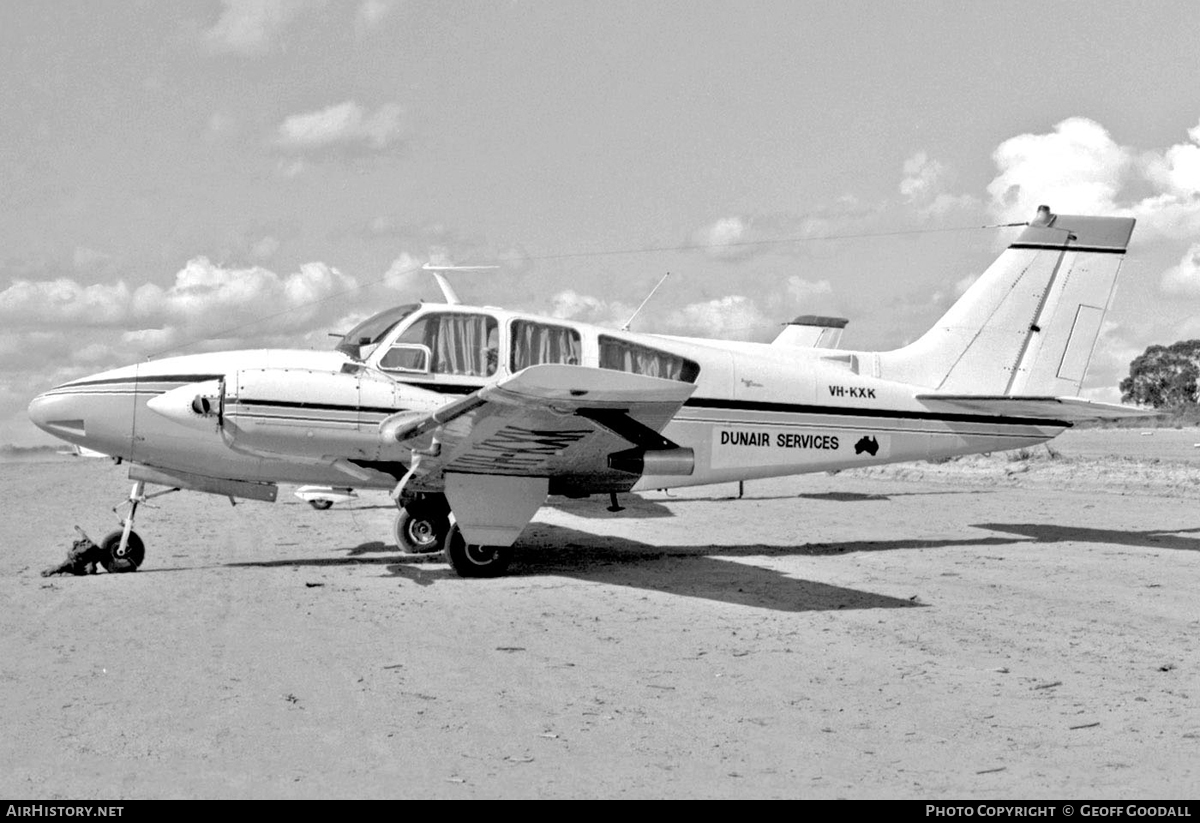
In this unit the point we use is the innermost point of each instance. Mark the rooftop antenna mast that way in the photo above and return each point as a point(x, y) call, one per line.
point(444, 284)
point(625, 325)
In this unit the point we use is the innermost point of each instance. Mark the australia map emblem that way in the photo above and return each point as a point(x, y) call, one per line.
point(867, 444)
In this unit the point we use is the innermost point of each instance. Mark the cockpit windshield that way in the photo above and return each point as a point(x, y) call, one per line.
point(370, 331)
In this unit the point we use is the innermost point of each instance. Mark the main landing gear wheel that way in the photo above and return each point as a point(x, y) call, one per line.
point(474, 560)
point(115, 560)
point(421, 533)
point(321, 505)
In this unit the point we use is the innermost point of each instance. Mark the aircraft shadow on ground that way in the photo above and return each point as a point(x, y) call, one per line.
point(687, 571)
point(637, 506)
point(1052, 533)
point(597, 507)
point(834, 497)
point(705, 571)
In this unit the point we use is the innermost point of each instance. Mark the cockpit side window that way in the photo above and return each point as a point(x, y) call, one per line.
point(620, 355)
point(534, 343)
point(464, 344)
point(370, 331)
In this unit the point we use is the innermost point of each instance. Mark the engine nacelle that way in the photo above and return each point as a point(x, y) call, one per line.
point(676, 462)
point(301, 413)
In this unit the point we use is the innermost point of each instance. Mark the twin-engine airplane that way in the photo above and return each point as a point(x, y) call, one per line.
point(472, 416)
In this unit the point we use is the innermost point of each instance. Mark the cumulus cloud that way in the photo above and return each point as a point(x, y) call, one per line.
point(206, 297)
point(921, 175)
point(203, 300)
point(1184, 277)
point(725, 239)
point(252, 27)
point(571, 305)
point(1078, 168)
point(923, 187)
point(1174, 210)
point(343, 125)
point(401, 274)
point(54, 330)
point(731, 317)
point(736, 238)
point(63, 301)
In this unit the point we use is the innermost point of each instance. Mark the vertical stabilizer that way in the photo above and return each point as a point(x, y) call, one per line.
point(1028, 325)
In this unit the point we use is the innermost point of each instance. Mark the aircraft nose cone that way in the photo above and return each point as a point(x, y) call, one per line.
point(38, 412)
point(59, 415)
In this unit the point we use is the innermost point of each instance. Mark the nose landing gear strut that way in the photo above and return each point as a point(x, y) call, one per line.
point(123, 549)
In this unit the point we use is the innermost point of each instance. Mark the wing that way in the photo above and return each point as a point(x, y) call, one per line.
point(586, 429)
point(1066, 409)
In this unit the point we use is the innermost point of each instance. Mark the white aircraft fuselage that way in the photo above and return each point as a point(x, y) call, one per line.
point(757, 411)
point(488, 410)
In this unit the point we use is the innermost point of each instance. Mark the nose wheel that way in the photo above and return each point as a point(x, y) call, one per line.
point(123, 550)
point(122, 555)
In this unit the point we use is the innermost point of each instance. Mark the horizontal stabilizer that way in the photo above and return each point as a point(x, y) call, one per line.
point(812, 331)
point(1067, 409)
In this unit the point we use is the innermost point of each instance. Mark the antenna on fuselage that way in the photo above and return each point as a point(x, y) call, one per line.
point(444, 284)
point(625, 325)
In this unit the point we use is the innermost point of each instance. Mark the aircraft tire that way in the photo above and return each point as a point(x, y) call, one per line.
point(419, 534)
point(113, 561)
point(321, 505)
point(472, 560)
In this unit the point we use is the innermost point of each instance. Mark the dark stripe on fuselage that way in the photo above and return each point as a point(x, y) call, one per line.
point(894, 414)
point(694, 402)
point(745, 405)
point(1054, 247)
point(288, 404)
point(181, 379)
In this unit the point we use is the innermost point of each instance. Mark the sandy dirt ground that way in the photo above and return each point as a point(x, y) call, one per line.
point(1011, 626)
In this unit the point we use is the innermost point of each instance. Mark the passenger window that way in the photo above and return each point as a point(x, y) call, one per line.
point(534, 343)
point(619, 355)
point(466, 344)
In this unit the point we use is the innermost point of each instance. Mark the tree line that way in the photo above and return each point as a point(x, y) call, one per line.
point(1164, 377)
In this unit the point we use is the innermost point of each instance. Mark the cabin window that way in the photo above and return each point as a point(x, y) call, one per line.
point(368, 333)
point(535, 343)
point(465, 344)
point(407, 357)
point(619, 355)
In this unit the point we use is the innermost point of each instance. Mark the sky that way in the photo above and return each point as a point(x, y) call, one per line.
point(214, 174)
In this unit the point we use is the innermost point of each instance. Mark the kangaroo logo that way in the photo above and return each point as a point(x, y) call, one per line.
point(867, 444)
